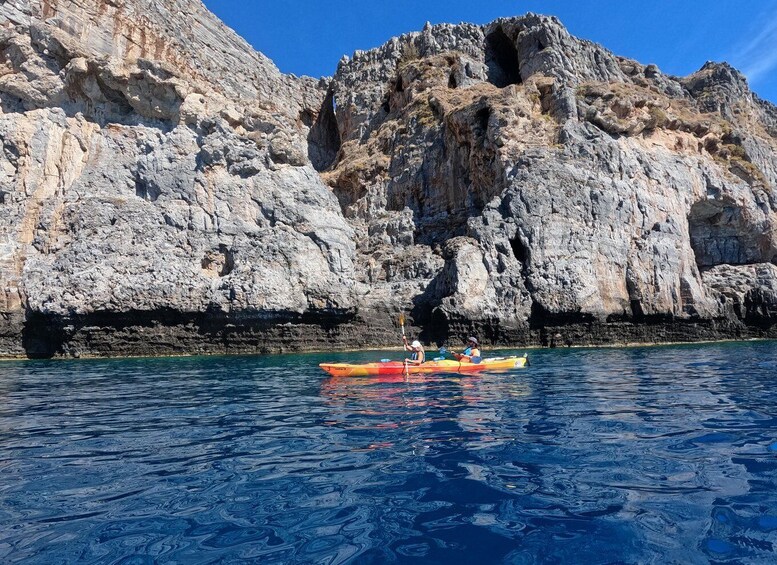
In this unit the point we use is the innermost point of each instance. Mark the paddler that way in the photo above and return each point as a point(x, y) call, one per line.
point(418, 355)
point(471, 354)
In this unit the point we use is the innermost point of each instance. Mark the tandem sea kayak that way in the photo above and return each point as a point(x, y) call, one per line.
point(442, 366)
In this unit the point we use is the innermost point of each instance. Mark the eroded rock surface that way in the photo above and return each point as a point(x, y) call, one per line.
point(157, 195)
point(165, 189)
point(573, 195)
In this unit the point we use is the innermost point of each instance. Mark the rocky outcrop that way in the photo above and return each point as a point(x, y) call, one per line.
point(574, 196)
point(157, 195)
point(165, 189)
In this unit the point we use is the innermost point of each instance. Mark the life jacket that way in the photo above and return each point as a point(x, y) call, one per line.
point(418, 355)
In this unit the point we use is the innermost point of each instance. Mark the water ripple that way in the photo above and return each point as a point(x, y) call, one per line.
point(595, 456)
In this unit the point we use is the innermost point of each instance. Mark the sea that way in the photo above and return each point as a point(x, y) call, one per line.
point(630, 455)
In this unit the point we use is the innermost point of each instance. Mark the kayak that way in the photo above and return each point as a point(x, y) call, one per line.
point(442, 366)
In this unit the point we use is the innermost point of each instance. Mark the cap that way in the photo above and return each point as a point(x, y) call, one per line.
point(473, 340)
point(416, 344)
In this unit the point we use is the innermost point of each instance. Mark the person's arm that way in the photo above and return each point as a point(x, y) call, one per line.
point(421, 359)
point(468, 354)
point(407, 347)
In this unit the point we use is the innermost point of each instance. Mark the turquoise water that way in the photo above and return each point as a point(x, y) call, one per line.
point(662, 455)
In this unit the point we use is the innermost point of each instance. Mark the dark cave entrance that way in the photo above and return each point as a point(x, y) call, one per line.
point(146, 190)
point(483, 116)
point(520, 252)
point(324, 137)
point(502, 59)
point(722, 233)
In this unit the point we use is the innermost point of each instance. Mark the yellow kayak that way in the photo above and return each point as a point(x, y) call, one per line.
point(442, 366)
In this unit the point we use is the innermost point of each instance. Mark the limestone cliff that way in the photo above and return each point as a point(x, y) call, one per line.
point(558, 192)
point(165, 189)
point(156, 190)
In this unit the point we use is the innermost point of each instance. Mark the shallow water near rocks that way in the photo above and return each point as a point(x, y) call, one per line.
point(665, 454)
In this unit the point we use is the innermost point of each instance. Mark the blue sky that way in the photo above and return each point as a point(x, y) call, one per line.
point(309, 37)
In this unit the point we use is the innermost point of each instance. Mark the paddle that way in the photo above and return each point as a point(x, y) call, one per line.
point(443, 350)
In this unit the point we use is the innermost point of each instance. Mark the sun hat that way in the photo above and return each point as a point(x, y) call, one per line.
point(473, 340)
point(416, 344)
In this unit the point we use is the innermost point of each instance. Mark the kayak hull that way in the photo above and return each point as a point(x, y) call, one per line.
point(443, 366)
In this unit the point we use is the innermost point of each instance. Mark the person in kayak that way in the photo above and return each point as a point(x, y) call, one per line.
point(418, 355)
point(471, 354)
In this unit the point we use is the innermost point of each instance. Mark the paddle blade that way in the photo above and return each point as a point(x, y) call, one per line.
point(402, 319)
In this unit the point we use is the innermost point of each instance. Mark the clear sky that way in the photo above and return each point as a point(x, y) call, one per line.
point(308, 37)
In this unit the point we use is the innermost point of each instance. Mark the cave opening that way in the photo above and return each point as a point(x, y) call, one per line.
point(324, 137)
point(721, 232)
point(307, 117)
point(386, 106)
point(520, 251)
point(228, 264)
point(146, 189)
point(502, 59)
point(117, 102)
point(482, 116)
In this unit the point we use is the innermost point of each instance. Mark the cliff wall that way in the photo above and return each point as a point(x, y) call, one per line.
point(557, 192)
point(156, 191)
point(165, 189)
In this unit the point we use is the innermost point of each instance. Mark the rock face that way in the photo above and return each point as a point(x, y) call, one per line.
point(572, 196)
point(165, 189)
point(157, 194)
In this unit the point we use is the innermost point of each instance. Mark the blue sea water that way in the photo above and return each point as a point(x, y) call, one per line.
point(643, 455)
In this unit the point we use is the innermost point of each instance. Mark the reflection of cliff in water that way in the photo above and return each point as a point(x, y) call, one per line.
point(671, 425)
